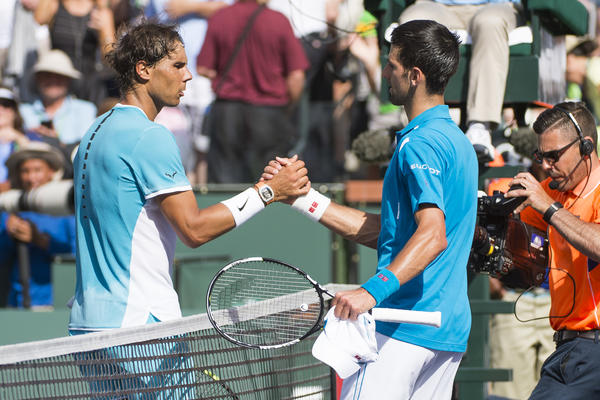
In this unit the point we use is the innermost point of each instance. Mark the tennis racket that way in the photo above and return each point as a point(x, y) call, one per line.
point(264, 303)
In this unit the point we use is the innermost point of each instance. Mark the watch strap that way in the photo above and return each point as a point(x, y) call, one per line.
point(554, 207)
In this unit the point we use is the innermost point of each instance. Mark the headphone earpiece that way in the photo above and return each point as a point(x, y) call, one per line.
point(586, 147)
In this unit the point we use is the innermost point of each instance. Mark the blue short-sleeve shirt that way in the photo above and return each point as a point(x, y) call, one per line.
point(434, 163)
point(125, 245)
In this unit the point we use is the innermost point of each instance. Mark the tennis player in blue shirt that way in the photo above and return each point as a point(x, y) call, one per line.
point(424, 233)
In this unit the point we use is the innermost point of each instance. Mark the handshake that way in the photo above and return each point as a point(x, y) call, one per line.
point(286, 180)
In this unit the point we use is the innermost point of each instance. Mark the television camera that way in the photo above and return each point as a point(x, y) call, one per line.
point(504, 246)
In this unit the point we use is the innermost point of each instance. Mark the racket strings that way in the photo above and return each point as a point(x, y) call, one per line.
point(263, 303)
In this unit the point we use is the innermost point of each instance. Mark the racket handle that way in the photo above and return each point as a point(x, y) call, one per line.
point(432, 318)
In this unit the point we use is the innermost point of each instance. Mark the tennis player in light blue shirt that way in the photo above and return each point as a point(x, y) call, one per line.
point(132, 201)
point(138, 161)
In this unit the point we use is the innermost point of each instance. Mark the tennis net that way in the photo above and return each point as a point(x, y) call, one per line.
point(180, 359)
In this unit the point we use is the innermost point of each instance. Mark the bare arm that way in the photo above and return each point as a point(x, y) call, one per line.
point(195, 226)
point(205, 9)
point(44, 11)
point(102, 20)
point(206, 72)
point(295, 83)
point(428, 241)
point(356, 225)
point(367, 51)
point(584, 236)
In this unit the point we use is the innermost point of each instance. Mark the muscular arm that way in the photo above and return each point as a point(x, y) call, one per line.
point(584, 236)
point(356, 225)
point(195, 226)
point(428, 241)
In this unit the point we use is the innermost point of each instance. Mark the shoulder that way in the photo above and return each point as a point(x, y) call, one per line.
point(155, 138)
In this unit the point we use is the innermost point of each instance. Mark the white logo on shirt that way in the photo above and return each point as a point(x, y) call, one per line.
point(432, 171)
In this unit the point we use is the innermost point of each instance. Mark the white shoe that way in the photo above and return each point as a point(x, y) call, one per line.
point(481, 138)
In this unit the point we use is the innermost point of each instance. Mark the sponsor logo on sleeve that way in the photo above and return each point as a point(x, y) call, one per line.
point(425, 167)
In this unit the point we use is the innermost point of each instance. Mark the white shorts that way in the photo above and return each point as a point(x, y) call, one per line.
point(404, 371)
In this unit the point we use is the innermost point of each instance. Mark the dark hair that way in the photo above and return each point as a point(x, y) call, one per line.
point(429, 46)
point(148, 41)
point(557, 119)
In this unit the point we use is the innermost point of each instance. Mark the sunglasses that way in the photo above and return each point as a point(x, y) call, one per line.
point(552, 156)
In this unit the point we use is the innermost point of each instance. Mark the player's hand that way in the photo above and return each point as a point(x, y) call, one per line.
point(275, 166)
point(349, 304)
point(532, 190)
point(290, 181)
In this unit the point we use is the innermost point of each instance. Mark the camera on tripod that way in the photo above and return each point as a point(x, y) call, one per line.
point(505, 247)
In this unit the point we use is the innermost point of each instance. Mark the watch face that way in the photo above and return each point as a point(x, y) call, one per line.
point(266, 193)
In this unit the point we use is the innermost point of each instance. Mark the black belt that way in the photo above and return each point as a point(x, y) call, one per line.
point(561, 336)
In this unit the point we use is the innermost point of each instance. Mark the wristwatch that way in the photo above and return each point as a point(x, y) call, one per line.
point(265, 192)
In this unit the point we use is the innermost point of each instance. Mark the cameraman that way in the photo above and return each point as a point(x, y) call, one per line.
point(567, 206)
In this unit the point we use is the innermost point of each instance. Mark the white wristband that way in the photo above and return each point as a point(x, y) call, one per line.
point(313, 204)
point(244, 205)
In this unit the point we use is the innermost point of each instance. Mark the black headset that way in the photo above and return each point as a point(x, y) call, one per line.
point(586, 146)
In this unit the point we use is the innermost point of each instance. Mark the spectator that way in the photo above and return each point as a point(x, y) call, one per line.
point(27, 40)
point(7, 10)
point(488, 22)
point(56, 116)
point(44, 236)
point(11, 132)
point(249, 122)
point(80, 28)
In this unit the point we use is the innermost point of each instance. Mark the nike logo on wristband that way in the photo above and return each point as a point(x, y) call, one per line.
point(240, 208)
